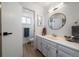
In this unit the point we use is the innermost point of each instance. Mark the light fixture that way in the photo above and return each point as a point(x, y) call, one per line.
point(59, 5)
point(56, 7)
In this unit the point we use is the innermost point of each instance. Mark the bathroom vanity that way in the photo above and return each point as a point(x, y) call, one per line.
point(57, 46)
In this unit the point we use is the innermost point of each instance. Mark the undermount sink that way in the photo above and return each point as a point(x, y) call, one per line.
point(51, 36)
point(55, 37)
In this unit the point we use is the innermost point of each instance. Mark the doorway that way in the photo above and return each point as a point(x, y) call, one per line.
point(28, 25)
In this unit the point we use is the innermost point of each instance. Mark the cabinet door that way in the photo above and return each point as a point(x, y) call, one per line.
point(51, 51)
point(63, 54)
point(70, 51)
point(39, 42)
point(35, 42)
point(44, 49)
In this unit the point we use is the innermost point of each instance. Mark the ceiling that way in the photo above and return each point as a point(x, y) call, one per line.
point(47, 4)
point(43, 4)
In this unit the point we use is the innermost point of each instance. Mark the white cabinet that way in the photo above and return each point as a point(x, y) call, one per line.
point(39, 43)
point(54, 49)
point(63, 54)
point(35, 42)
point(44, 49)
point(48, 48)
point(67, 52)
point(51, 51)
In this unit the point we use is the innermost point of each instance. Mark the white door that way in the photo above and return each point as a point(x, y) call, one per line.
point(0, 36)
point(11, 23)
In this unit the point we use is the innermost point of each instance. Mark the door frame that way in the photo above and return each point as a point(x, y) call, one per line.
point(33, 17)
point(0, 32)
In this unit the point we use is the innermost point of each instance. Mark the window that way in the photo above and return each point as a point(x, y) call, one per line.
point(26, 20)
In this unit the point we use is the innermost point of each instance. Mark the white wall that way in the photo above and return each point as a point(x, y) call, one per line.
point(71, 11)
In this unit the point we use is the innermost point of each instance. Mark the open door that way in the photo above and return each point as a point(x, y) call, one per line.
point(12, 30)
point(0, 34)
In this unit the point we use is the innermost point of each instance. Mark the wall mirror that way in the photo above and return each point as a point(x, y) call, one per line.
point(39, 20)
point(57, 21)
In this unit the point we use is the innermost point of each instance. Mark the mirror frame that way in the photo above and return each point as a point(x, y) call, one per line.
point(62, 23)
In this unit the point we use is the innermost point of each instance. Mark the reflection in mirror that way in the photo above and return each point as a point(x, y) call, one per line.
point(57, 21)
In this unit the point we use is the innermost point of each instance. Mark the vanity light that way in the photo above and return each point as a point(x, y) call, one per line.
point(56, 7)
point(51, 10)
point(60, 5)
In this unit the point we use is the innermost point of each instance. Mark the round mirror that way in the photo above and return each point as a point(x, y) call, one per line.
point(57, 21)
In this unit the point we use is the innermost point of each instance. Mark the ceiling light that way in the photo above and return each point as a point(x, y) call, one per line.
point(60, 5)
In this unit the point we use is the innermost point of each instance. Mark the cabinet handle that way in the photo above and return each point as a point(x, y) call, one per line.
point(56, 53)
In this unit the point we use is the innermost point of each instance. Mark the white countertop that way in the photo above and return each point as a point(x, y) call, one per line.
point(62, 41)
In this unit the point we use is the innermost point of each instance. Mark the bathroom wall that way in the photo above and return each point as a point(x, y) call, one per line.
point(38, 11)
point(71, 11)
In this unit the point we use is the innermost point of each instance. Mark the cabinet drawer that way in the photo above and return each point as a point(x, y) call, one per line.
point(69, 51)
point(50, 43)
point(63, 54)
